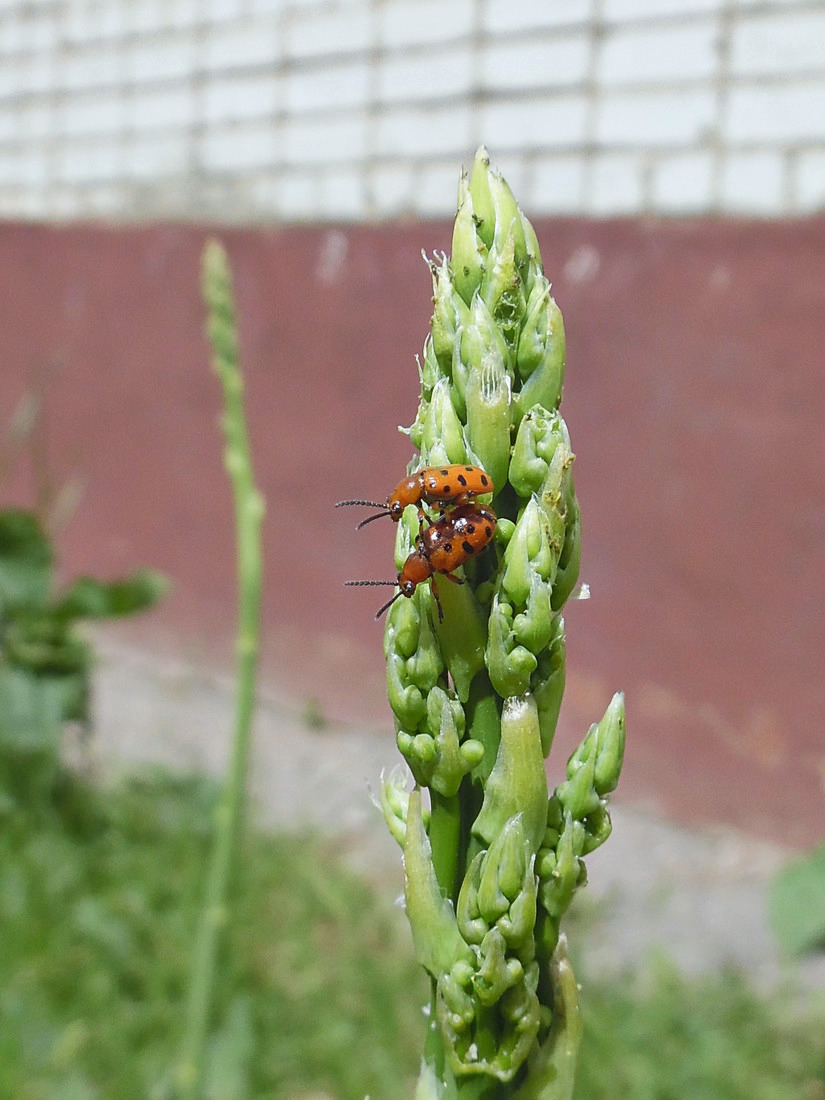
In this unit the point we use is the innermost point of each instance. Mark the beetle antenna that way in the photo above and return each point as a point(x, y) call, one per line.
point(363, 584)
point(369, 519)
point(371, 584)
point(389, 603)
point(367, 504)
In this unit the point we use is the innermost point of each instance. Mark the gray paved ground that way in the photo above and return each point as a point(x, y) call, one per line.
point(700, 896)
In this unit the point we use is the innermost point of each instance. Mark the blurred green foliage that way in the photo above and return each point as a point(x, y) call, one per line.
point(97, 906)
point(797, 902)
point(45, 661)
point(657, 1036)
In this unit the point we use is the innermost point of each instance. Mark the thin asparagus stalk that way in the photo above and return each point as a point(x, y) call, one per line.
point(249, 512)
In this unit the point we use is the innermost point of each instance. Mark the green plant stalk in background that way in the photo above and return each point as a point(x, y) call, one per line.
point(249, 512)
point(493, 864)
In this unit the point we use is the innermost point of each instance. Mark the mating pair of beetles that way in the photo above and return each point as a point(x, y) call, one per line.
point(463, 529)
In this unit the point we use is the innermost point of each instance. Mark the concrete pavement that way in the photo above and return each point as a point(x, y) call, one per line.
point(700, 895)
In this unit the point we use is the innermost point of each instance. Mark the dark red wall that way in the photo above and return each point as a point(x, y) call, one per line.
point(695, 398)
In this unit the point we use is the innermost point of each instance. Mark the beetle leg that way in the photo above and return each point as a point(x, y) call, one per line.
point(434, 590)
point(452, 577)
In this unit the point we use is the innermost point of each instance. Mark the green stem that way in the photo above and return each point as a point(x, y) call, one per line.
point(484, 723)
point(445, 839)
point(249, 510)
point(434, 1044)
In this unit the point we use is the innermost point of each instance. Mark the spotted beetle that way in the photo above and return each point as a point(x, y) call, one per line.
point(449, 542)
point(450, 486)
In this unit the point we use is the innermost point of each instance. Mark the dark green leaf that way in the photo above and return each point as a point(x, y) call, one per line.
point(25, 560)
point(45, 644)
point(30, 723)
point(30, 710)
point(74, 695)
point(88, 598)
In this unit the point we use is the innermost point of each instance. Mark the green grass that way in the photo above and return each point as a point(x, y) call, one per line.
point(656, 1036)
point(97, 911)
point(319, 995)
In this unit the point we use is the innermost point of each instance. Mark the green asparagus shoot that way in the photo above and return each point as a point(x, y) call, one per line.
point(476, 689)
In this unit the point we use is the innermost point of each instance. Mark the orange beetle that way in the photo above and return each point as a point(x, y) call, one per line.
point(435, 485)
point(441, 548)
